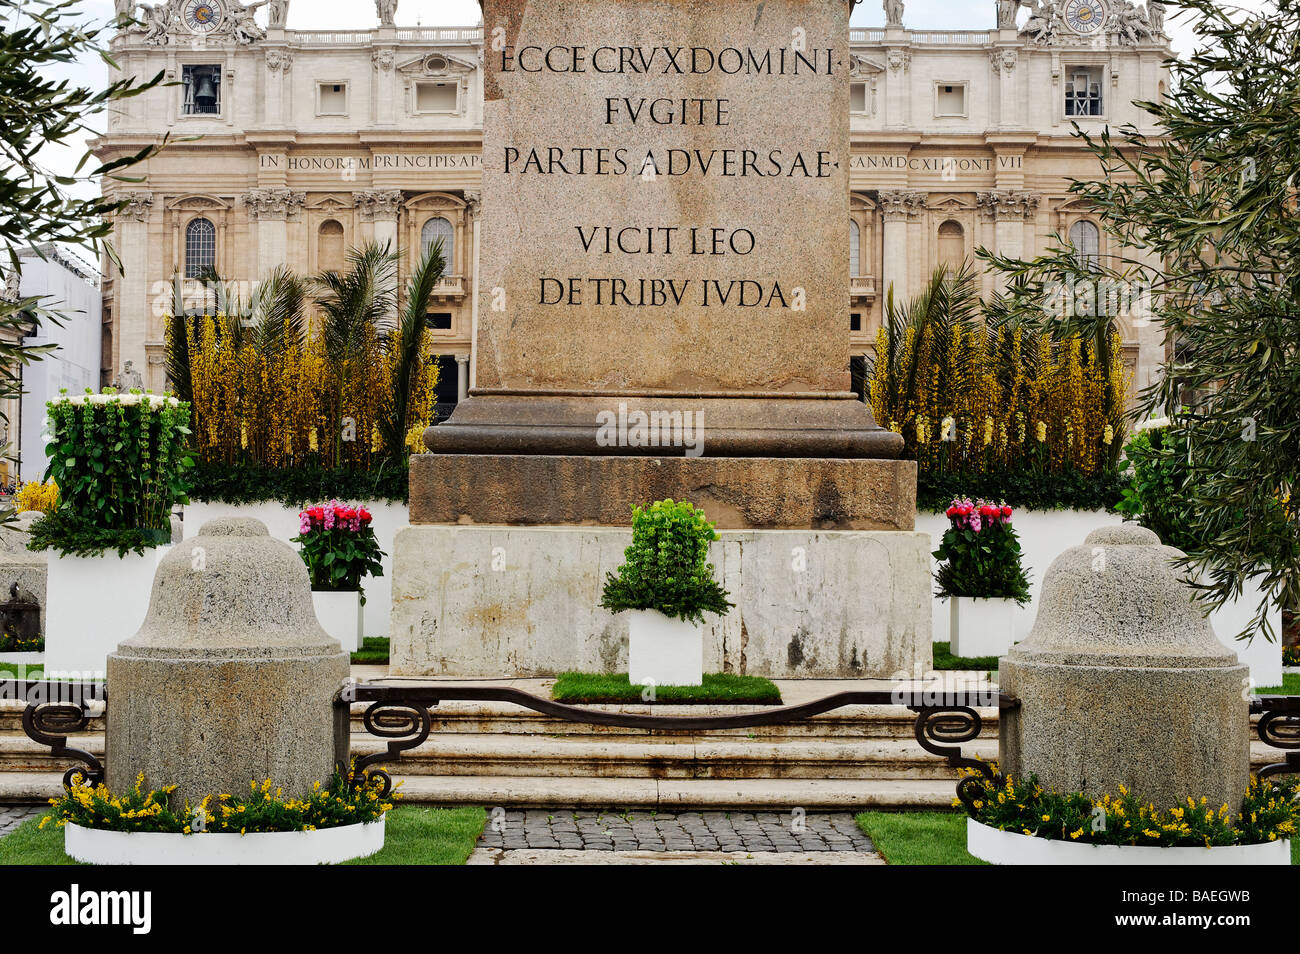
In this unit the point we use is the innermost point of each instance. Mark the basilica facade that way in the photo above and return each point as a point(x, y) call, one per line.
point(293, 146)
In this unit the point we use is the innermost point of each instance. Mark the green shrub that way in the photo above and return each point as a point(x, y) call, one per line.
point(120, 462)
point(980, 554)
point(666, 568)
point(1155, 496)
point(294, 486)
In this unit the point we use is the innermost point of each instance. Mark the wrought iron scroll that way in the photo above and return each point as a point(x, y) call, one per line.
point(942, 731)
point(405, 725)
point(50, 723)
point(1279, 726)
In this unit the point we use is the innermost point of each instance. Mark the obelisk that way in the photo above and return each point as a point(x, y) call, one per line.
point(663, 291)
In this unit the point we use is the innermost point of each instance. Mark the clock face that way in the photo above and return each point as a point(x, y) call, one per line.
point(202, 16)
point(1085, 16)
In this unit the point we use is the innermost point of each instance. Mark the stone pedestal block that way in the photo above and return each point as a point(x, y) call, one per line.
point(1122, 681)
point(524, 601)
point(231, 678)
point(738, 493)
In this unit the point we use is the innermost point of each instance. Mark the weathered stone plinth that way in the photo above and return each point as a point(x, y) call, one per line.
point(480, 601)
point(1122, 681)
point(230, 678)
point(736, 492)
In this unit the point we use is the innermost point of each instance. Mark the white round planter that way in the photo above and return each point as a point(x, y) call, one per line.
point(1012, 848)
point(93, 604)
point(663, 650)
point(340, 615)
point(325, 846)
point(982, 627)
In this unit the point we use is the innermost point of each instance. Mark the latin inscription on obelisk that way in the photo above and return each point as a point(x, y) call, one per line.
point(665, 193)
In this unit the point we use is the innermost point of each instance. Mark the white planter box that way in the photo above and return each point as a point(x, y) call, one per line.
point(324, 846)
point(663, 651)
point(93, 604)
point(1263, 657)
point(982, 627)
point(340, 615)
point(282, 522)
point(1011, 848)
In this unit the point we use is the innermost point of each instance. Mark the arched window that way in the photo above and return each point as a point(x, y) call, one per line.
point(329, 251)
point(1086, 240)
point(440, 228)
point(952, 245)
point(200, 247)
point(855, 249)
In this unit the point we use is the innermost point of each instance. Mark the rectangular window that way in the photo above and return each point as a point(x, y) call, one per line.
point(332, 99)
point(950, 99)
point(857, 97)
point(438, 320)
point(1083, 91)
point(201, 90)
point(855, 321)
point(436, 97)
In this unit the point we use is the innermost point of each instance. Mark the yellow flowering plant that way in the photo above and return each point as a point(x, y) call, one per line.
point(263, 808)
point(1268, 812)
point(38, 497)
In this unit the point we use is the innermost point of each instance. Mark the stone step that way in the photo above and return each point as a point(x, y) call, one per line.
point(699, 757)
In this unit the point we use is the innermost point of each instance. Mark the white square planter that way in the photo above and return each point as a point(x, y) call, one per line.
point(1263, 657)
point(982, 627)
point(663, 651)
point(93, 603)
point(340, 615)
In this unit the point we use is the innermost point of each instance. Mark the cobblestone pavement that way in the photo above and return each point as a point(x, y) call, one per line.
point(11, 816)
point(672, 831)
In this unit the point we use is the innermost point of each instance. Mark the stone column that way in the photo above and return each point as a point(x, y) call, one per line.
point(380, 207)
point(387, 90)
point(278, 63)
point(1003, 61)
point(897, 209)
point(270, 210)
point(133, 300)
point(897, 98)
point(462, 377)
point(1009, 210)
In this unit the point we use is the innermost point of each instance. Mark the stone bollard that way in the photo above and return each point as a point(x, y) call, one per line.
point(1122, 681)
point(230, 678)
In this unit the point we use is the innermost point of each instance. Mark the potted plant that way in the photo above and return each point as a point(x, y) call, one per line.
point(120, 463)
point(667, 585)
point(982, 574)
point(339, 547)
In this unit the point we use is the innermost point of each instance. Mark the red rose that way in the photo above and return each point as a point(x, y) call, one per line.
point(1006, 511)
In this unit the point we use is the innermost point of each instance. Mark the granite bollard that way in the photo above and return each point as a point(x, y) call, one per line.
point(230, 678)
point(1121, 681)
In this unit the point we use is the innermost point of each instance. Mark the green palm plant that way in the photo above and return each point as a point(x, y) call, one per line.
point(406, 340)
point(361, 297)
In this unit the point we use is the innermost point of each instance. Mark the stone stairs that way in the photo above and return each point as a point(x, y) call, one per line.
point(500, 754)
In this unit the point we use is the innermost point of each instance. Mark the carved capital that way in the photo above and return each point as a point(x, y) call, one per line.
point(273, 203)
point(383, 59)
point(378, 204)
point(900, 61)
point(1003, 61)
point(897, 205)
point(1005, 204)
point(473, 203)
point(278, 61)
point(138, 205)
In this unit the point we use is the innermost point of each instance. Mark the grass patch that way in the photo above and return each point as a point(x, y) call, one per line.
point(721, 688)
point(944, 659)
point(1290, 686)
point(373, 652)
point(415, 835)
point(919, 838)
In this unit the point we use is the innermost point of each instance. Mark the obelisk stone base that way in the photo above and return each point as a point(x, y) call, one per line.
point(524, 601)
